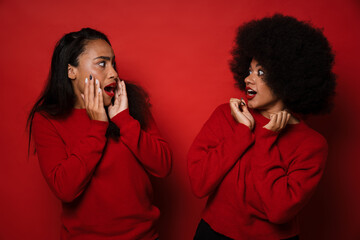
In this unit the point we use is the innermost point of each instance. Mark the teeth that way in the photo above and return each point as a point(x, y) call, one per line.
point(251, 92)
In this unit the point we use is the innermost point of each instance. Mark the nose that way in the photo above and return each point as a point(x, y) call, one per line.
point(113, 73)
point(249, 80)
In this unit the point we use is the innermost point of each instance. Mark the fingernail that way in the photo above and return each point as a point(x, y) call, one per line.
point(97, 82)
point(99, 90)
point(242, 102)
point(86, 80)
point(90, 77)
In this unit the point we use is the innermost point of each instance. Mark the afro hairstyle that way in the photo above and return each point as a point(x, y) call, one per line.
point(296, 57)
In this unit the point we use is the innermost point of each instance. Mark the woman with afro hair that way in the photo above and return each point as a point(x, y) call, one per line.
point(256, 160)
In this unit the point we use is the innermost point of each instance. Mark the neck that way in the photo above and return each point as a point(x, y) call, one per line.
point(266, 112)
point(79, 102)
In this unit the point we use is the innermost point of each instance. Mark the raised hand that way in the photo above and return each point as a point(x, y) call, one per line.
point(93, 99)
point(278, 121)
point(241, 113)
point(121, 100)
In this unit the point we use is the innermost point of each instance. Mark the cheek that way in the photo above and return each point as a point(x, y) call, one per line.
point(102, 82)
point(81, 85)
point(99, 76)
point(107, 100)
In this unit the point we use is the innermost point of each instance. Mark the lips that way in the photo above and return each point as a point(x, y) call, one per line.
point(110, 89)
point(250, 93)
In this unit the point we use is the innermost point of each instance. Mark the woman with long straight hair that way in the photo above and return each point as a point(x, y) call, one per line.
point(97, 143)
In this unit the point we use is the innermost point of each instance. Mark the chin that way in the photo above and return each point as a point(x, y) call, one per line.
point(251, 105)
point(107, 102)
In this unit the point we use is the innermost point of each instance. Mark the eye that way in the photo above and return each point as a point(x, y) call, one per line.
point(261, 72)
point(250, 72)
point(102, 64)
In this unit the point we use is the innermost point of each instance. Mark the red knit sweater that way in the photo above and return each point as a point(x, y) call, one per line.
point(258, 181)
point(103, 184)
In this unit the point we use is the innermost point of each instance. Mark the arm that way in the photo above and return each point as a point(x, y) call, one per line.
point(150, 149)
point(211, 156)
point(67, 174)
point(284, 190)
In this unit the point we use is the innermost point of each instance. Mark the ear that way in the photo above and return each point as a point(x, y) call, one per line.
point(72, 72)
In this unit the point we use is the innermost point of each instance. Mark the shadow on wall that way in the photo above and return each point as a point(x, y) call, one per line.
point(328, 214)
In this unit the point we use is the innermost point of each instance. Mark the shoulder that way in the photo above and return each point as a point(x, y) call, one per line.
point(43, 122)
point(222, 113)
point(311, 139)
point(41, 118)
point(221, 118)
point(315, 138)
point(222, 110)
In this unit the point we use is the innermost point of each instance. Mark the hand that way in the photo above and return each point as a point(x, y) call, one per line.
point(278, 121)
point(241, 113)
point(93, 99)
point(121, 100)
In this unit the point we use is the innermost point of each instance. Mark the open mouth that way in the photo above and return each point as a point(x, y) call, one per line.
point(250, 94)
point(110, 89)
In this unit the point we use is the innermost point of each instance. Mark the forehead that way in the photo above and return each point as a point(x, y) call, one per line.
point(98, 47)
point(254, 63)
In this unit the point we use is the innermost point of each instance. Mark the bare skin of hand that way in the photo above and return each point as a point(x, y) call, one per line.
point(241, 113)
point(121, 100)
point(278, 121)
point(93, 100)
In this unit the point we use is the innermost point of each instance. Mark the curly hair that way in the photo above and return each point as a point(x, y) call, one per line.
point(297, 58)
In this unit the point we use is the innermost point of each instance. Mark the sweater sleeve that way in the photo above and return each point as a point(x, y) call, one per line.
point(211, 155)
point(67, 172)
point(284, 190)
point(152, 151)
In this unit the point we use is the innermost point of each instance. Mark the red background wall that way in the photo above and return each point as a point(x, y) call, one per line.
point(179, 51)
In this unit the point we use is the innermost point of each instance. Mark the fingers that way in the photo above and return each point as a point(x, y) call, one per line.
point(93, 98)
point(234, 104)
point(278, 121)
point(282, 119)
point(235, 100)
point(97, 91)
point(288, 116)
point(123, 88)
point(91, 91)
point(240, 112)
point(273, 120)
point(243, 105)
point(101, 98)
point(86, 92)
point(120, 88)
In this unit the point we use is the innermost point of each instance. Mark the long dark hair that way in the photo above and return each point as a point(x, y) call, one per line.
point(58, 98)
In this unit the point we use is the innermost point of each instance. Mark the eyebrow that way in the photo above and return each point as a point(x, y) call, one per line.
point(103, 57)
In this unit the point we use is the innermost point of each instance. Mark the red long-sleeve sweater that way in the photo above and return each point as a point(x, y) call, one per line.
point(257, 181)
point(103, 184)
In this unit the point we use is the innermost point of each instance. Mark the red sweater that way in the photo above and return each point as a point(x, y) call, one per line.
point(103, 184)
point(257, 181)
